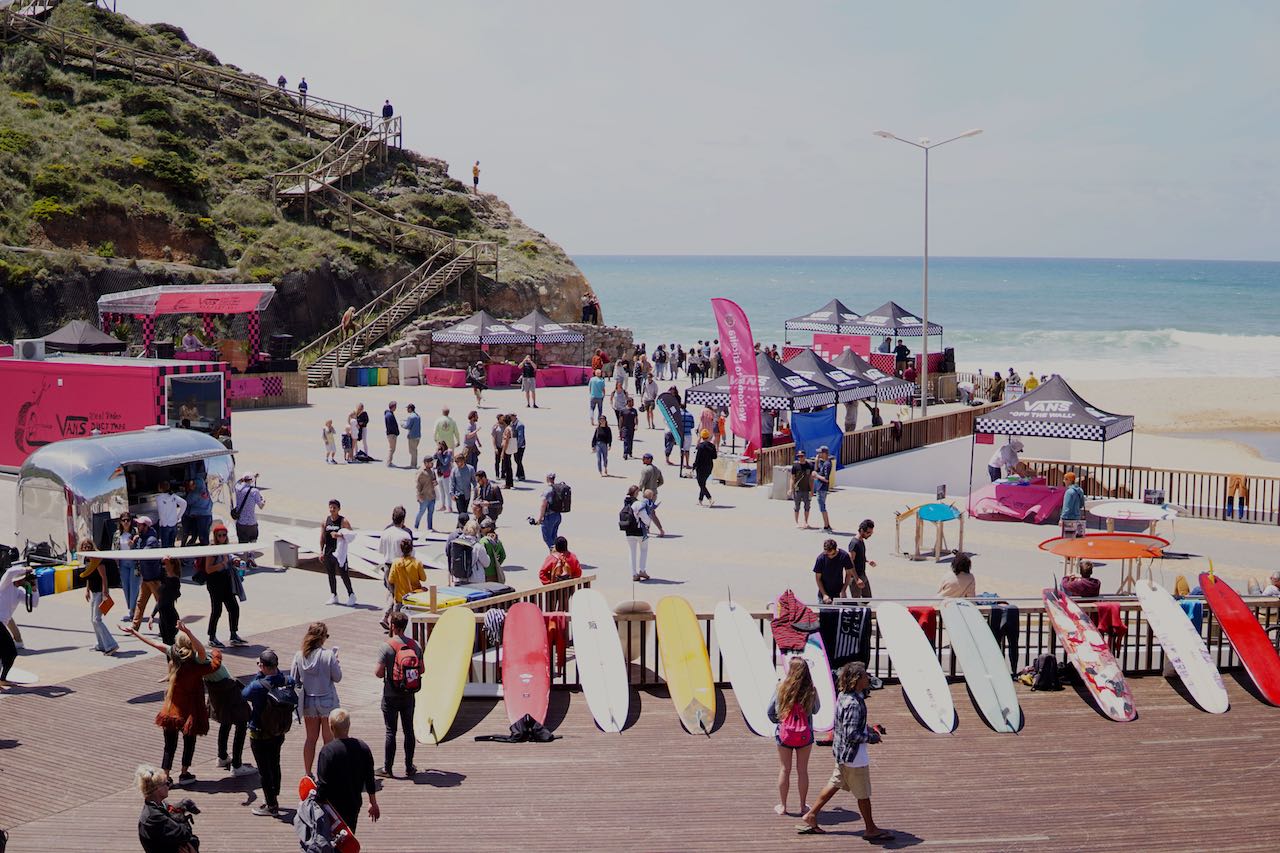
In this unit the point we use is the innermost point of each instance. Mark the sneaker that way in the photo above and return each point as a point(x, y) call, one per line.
point(216, 643)
point(383, 773)
point(333, 599)
point(244, 770)
point(351, 600)
point(827, 530)
point(264, 810)
point(410, 771)
point(186, 778)
point(224, 763)
point(237, 640)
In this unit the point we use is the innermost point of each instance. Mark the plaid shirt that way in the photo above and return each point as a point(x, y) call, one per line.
point(851, 727)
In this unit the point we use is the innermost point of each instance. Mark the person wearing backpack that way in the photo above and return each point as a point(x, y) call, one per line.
point(318, 671)
point(792, 708)
point(400, 668)
point(466, 558)
point(549, 512)
point(636, 530)
point(274, 705)
point(561, 564)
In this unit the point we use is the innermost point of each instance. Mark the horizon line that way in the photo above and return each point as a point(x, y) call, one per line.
point(910, 257)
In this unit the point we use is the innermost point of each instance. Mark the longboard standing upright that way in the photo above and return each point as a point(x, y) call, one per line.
point(1183, 646)
point(747, 658)
point(1088, 653)
point(602, 670)
point(685, 665)
point(344, 840)
point(446, 663)
point(1246, 635)
point(526, 663)
point(986, 669)
point(917, 666)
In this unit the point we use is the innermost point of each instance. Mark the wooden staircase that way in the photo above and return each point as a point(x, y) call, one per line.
point(375, 321)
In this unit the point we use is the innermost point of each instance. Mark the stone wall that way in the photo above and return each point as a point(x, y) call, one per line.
point(416, 340)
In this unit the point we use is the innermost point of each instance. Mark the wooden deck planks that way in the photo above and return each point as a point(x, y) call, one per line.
point(1070, 780)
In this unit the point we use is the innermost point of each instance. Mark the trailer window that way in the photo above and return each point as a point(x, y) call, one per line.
point(196, 399)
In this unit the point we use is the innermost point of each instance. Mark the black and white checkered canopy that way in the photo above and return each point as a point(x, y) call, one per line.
point(888, 387)
point(1053, 410)
point(834, 317)
point(480, 328)
point(847, 386)
point(780, 388)
point(544, 330)
point(893, 320)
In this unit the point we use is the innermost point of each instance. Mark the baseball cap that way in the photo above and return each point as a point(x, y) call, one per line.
point(647, 456)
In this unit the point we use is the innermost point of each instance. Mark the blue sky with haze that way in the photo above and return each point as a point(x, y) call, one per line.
point(1136, 129)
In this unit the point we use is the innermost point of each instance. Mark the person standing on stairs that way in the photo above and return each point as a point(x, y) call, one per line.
point(302, 90)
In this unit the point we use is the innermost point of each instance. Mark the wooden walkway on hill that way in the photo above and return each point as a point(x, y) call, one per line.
point(1176, 779)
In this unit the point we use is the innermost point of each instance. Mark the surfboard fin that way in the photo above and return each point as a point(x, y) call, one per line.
point(431, 727)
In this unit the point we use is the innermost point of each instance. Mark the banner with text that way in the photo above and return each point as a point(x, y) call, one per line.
point(739, 352)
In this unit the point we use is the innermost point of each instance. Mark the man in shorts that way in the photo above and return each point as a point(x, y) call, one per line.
point(800, 488)
point(853, 771)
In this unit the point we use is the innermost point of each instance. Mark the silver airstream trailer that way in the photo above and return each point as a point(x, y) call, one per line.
point(75, 489)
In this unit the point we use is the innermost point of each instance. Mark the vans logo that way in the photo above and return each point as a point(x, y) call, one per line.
point(1048, 406)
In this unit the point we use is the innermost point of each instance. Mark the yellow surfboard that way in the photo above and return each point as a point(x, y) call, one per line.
point(446, 663)
point(686, 666)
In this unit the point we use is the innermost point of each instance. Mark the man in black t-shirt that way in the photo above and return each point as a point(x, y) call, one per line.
point(628, 420)
point(397, 704)
point(344, 771)
point(800, 489)
point(833, 570)
point(901, 356)
point(861, 586)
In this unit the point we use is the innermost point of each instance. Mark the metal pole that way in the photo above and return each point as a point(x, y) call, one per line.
point(924, 358)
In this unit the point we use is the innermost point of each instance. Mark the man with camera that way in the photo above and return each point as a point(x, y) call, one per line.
point(16, 585)
point(164, 827)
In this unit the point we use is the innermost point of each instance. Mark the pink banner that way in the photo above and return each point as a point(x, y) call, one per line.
point(828, 346)
point(208, 300)
point(740, 364)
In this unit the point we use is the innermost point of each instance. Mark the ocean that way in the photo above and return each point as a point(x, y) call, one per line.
point(1081, 318)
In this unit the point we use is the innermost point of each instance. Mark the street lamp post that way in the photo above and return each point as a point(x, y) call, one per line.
point(925, 145)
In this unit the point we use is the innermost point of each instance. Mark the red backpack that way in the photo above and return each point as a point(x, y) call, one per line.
point(406, 671)
point(794, 730)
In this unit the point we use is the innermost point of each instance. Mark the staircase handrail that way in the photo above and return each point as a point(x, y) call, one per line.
point(339, 147)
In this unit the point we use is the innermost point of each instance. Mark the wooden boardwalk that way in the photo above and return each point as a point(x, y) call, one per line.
point(1176, 779)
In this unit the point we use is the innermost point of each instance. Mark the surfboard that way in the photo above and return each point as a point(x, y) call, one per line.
point(1183, 646)
point(685, 665)
point(446, 661)
point(177, 552)
point(917, 667)
point(526, 663)
point(21, 677)
point(815, 655)
point(749, 664)
point(598, 653)
point(1089, 654)
point(985, 667)
point(1246, 635)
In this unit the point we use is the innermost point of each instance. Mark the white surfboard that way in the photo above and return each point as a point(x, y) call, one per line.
point(917, 667)
point(1183, 646)
point(176, 552)
point(21, 677)
point(815, 654)
point(749, 665)
point(985, 667)
point(598, 652)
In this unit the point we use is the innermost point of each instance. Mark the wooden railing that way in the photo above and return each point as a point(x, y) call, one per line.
point(1139, 654)
point(1203, 494)
point(864, 444)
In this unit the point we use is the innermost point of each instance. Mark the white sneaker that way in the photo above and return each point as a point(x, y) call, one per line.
point(244, 770)
point(351, 600)
point(333, 599)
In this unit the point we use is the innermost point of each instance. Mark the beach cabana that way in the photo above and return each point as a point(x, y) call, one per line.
point(888, 387)
point(848, 387)
point(780, 388)
point(544, 330)
point(1053, 410)
point(893, 320)
point(481, 328)
point(82, 337)
point(834, 317)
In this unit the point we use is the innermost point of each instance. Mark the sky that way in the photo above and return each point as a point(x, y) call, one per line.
point(1132, 130)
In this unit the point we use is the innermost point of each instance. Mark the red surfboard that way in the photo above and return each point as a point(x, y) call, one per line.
point(1246, 635)
point(526, 663)
point(344, 840)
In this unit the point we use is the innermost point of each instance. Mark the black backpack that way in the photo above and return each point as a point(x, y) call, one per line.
point(277, 714)
point(561, 498)
point(461, 560)
point(1045, 675)
point(626, 517)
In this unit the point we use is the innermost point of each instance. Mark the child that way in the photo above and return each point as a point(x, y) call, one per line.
point(852, 771)
point(348, 445)
point(330, 451)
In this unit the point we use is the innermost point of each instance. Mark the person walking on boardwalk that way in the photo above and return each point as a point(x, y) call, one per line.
point(792, 707)
point(628, 420)
point(860, 585)
point(601, 439)
point(425, 486)
point(149, 571)
point(853, 772)
point(97, 592)
point(220, 583)
point(800, 488)
point(548, 517)
point(651, 480)
point(333, 552)
point(704, 459)
point(636, 530)
point(345, 772)
point(318, 671)
point(184, 711)
point(400, 668)
point(650, 400)
point(475, 178)
point(270, 718)
point(595, 395)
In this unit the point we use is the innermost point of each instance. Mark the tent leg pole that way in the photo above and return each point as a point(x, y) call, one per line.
point(973, 447)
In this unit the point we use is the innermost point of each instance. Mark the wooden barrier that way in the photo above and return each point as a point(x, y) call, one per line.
point(1203, 494)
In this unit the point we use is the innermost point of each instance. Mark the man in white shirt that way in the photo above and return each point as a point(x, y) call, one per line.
point(169, 510)
point(389, 547)
point(1006, 457)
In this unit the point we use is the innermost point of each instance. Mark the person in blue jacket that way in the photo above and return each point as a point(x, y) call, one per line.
point(267, 726)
